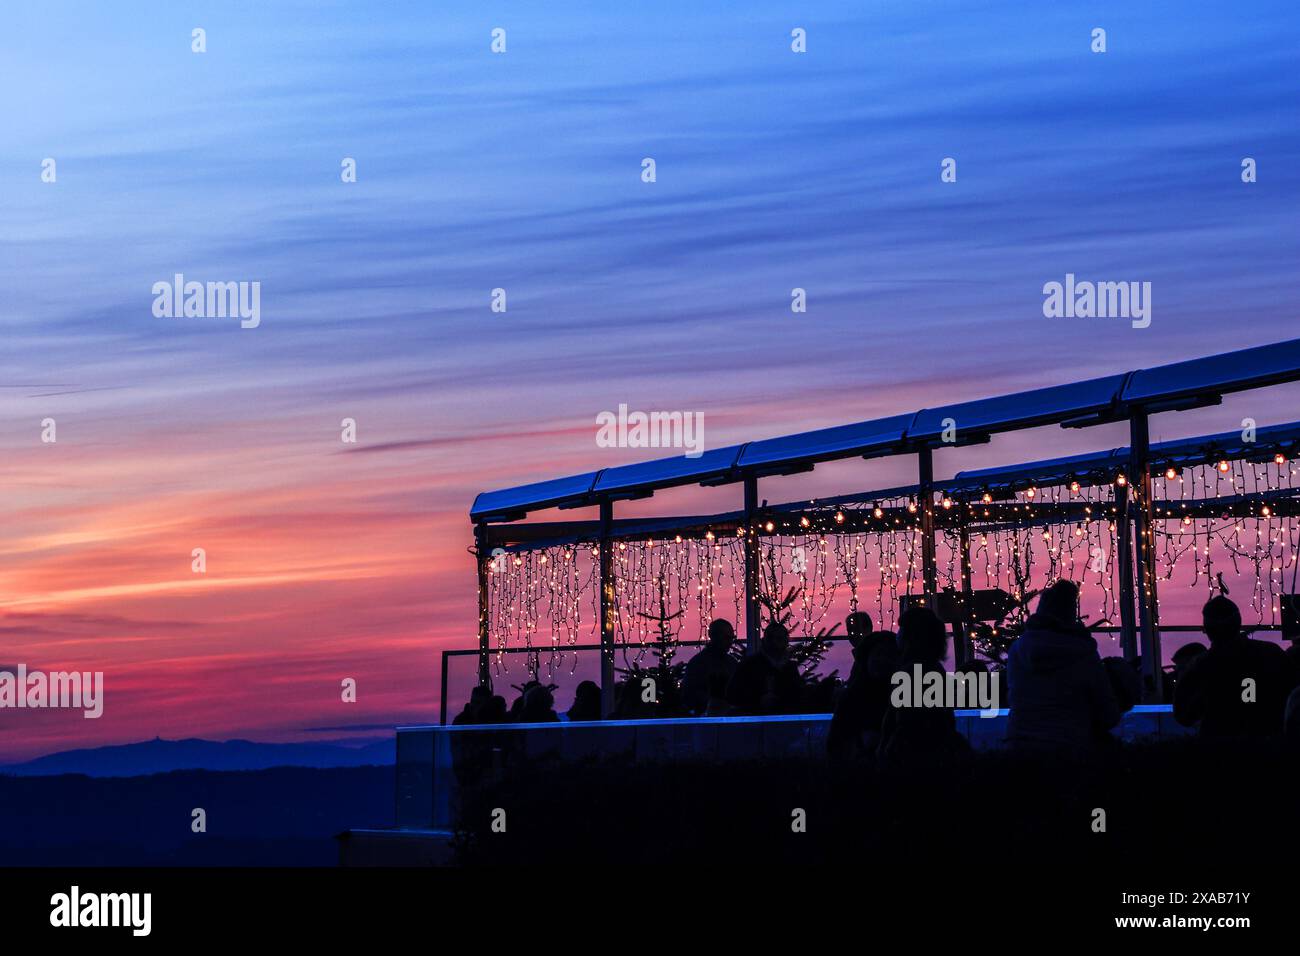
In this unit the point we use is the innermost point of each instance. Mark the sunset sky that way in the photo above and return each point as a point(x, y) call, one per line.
point(522, 171)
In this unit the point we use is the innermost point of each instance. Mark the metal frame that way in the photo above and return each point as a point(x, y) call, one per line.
point(1132, 396)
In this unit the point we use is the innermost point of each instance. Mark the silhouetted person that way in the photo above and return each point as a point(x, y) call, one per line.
point(718, 705)
point(539, 706)
point(858, 627)
point(1059, 693)
point(586, 702)
point(767, 682)
point(471, 713)
point(471, 753)
point(494, 711)
point(1180, 660)
point(1216, 688)
point(1125, 682)
point(713, 660)
point(1293, 655)
point(515, 714)
point(1291, 719)
point(912, 733)
point(860, 711)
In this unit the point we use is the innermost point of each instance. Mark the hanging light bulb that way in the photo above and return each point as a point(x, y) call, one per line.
point(1279, 459)
point(839, 517)
point(679, 539)
point(911, 507)
point(1171, 472)
point(1266, 511)
point(987, 499)
point(947, 502)
point(1074, 487)
point(878, 512)
point(1223, 465)
point(708, 535)
point(804, 522)
point(1031, 492)
point(769, 527)
point(1121, 480)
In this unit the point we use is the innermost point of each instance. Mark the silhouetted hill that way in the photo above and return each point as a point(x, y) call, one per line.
point(162, 756)
point(287, 816)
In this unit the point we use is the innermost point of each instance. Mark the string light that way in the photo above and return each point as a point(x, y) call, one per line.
point(541, 599)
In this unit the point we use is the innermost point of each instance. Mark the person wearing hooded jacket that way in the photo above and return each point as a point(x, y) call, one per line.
point(1059, 693)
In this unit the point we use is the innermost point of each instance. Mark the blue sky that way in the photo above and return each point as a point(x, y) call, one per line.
point(522, 171)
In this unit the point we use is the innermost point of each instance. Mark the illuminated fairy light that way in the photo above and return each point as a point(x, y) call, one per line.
point(532, 607)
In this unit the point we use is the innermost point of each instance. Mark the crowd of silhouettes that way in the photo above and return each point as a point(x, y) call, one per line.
point(1061, 694)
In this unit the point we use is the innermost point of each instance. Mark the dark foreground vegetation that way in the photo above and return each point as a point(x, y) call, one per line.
point(286, 816)
point(1186, 807)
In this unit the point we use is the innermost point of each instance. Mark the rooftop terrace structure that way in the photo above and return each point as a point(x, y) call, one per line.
point(1111, 487)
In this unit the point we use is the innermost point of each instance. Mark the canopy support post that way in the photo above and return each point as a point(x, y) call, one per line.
point(483, 561)
point(1144, 543)
point(1124, 563)
point(606, 584)
point(752, 609)
point(962, 650)
point(925, 492)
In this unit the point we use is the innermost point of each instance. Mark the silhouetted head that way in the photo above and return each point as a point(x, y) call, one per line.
point(538, 700)
point(776, 640)
point(494, 710)
point(1221, 620)
point(1125, 681)
point(1060, 602)
point(921, 635)
point(480, 695)
point(588, 692)
point(721, 634)
point(857, 625)
point(1186, 654)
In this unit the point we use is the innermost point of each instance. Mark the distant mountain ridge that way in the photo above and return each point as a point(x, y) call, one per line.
point(162, 756)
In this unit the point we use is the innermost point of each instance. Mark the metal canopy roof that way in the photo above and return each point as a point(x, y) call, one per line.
point(1216, 374)
point(1041, 406)
point(1087, 402)
point(666, 472)
point(881, 435)
point(1180, 451)
point(509, 502)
